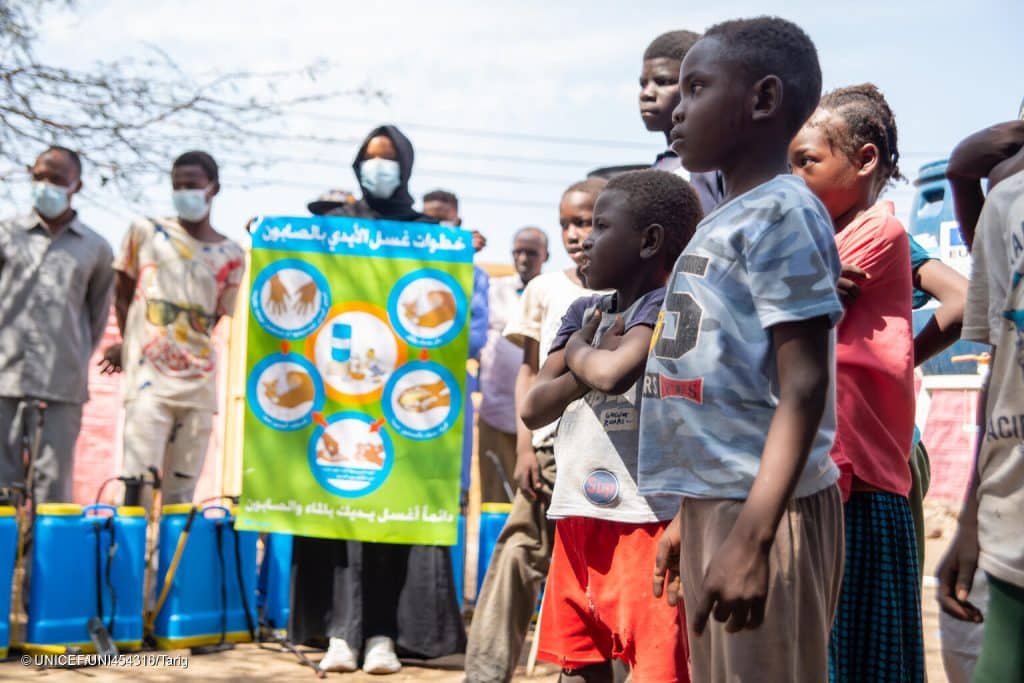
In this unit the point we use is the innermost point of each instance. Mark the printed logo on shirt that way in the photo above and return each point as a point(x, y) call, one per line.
point(659, 386)
point(657, 331)
point(683, 314)
point(619, 419)
point(1016, 316)
point(601, 487)
point(1005, 427)
point(693, 265)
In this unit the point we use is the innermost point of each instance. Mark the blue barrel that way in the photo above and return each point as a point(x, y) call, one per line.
point(194, 612)
point(458, 552)
point(275, 576)
point(933, 225)
point(492, 520)
point(8, 554)
point(62, 593)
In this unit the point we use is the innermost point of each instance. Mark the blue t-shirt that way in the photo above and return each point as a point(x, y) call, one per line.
point(711, 384)
point(918, 257)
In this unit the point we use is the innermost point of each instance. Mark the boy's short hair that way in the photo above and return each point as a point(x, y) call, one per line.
point(769, 45)
point(71, 154)
point(591, 186)
point(443, 196)
point(664, 198)
point(534, 229)
point(200, 159)
point(671, 45)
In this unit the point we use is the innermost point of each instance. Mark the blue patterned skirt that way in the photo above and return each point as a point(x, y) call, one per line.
point(876, 635)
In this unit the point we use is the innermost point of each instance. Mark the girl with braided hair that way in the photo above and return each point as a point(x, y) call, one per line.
point(847, 153)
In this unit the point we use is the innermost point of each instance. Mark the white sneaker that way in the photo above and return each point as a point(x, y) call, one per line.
point(380, 656)
point(339, 657)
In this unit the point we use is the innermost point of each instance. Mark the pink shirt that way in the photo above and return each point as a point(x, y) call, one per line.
point(875, 357)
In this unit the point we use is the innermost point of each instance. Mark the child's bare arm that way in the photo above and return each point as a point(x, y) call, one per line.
point(958, 566)
point(973, 159)
point(735, 585)
point(616, 363)
point(1006, 168)
point(527, 470)
point(553, 390)
point(950, 288)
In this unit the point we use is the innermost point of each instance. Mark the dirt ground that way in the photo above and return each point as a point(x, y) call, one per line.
point(253, 663)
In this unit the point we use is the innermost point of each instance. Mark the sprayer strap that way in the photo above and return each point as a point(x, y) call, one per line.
point(99, 570)
point(109, 578)
point(219, 525)
point(241, 584)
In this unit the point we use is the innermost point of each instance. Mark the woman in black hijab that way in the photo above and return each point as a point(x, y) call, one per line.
point(376, 595)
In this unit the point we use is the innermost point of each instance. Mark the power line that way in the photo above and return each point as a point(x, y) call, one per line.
point(483, 133)
point(449, 153)
point(442, 173)
point(250, 183)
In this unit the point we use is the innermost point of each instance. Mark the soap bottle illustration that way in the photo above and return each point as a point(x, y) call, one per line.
point(341, 347)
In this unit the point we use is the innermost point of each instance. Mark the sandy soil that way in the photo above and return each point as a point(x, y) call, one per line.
point(252, 663)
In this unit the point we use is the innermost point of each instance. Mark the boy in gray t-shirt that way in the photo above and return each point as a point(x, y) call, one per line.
point(606, 533)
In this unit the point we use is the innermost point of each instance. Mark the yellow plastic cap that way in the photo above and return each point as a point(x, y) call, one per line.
point(58, 509)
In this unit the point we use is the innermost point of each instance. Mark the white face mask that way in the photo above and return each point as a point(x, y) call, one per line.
point(380, 177)
point(50, 200)
point(191, 205)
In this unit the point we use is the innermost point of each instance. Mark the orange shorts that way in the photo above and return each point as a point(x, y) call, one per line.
point(598, 603)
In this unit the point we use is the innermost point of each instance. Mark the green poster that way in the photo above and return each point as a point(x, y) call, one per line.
point(356, 362)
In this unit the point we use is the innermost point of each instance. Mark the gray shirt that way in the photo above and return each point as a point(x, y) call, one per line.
point(597, 439)
point(707, 185)
point(55, 296)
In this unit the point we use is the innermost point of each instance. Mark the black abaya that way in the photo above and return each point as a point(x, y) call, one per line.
point(353, 590)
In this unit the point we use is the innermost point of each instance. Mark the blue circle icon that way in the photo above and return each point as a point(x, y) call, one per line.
point(352, 456)
point(427, 308)
point(284, 390)
point(290, 298)
point(421, 400)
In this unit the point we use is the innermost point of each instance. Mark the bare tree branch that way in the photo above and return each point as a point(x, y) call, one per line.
point(130, 116)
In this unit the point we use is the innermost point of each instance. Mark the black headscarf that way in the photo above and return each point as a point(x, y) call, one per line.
point(397, 207)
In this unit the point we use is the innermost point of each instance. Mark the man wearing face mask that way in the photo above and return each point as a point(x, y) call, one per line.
point(374, 598)
point(55, 288)
point(176, 277)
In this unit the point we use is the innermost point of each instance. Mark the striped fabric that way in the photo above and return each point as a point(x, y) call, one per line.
point(876, 635)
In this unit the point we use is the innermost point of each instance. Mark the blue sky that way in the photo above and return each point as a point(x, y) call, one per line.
point(567, 71)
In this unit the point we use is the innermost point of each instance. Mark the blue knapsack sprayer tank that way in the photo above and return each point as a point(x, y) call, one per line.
point(87, 566)
point(86, 576)
point(206, 581)
point(8, 552)
point(88, 573)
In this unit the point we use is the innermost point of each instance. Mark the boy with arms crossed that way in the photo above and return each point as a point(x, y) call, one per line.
point(591, 382)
